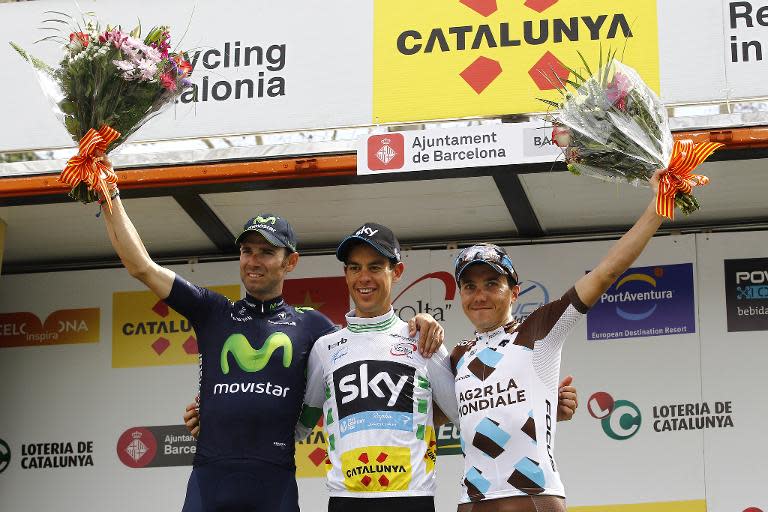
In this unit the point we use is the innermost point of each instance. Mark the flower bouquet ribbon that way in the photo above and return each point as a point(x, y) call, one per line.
point(612, 126)
point(88, 169)
point(678, 179)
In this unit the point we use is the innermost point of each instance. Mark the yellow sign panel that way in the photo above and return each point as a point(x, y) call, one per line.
point(146, 332)
point(430, 455)
point(377, 469)
point(312, 456)
point(668, 506)
point(464, 58)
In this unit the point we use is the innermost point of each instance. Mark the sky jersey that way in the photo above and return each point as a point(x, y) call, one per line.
point(507, 393)
point(253, 358)
point(376, 392)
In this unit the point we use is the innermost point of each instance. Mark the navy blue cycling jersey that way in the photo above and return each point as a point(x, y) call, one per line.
point(253, 360)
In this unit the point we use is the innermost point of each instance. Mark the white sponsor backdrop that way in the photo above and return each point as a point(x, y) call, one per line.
point(732, 368)
point(328, 64)
point(327, 79)
point(71, 392)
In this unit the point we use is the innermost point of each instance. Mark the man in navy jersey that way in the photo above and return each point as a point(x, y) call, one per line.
point(253, 357)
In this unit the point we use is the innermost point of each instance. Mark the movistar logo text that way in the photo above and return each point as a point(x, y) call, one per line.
point(251, 360)
point(263, 220)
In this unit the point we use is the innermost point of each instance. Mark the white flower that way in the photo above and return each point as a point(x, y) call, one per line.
point(152, 54)
point(124, 65)
point(147, 70)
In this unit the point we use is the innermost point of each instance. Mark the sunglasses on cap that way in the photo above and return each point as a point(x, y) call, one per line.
point(492, 255)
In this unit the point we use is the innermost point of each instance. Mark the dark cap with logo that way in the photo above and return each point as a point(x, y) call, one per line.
point(377, 236)
point(489, 254)
point(275, 229)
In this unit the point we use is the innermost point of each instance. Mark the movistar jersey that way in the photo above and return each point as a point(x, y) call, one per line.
point(253, 358)
point(376, 395)
point(506, 387)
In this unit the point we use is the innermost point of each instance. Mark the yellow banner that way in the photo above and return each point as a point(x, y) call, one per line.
point(146, 332)
point(667, 506)
point(463, 58)
point(312, 456)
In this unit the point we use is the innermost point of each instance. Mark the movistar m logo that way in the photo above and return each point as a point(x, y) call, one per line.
point(251, 360)
point(262, 220)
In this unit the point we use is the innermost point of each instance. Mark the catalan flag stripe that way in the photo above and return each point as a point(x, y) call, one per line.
point(686, 156)
point(86, 168)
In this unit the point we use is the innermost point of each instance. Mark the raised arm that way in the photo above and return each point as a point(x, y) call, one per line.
point(133, 254)
point(623, 253)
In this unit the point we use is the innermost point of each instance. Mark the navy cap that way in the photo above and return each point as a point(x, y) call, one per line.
point(492, 255)
point(377, 236)
point(275, 229)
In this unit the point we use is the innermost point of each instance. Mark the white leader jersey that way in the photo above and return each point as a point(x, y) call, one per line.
point(376, 395)
point(507, 392)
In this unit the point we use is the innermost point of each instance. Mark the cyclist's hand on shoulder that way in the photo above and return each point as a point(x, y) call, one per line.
point(431, 333)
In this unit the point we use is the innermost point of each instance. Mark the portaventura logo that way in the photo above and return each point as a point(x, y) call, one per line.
point(503, 34)
point(619, 296)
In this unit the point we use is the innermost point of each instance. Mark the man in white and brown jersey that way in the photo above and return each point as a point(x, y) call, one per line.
point(506, 377)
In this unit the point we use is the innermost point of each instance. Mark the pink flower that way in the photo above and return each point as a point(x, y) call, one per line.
point(561, 135)
point(147, 70)
point(168, 81)
point(618, 89)
point(164, 45)
point(116, 38)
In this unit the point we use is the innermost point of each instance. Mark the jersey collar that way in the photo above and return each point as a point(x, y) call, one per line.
point(263, 307)
point(496, 334)
point(374, 324)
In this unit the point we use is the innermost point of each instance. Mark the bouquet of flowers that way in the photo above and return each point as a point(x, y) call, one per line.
point(106, 86)
point(612, 126)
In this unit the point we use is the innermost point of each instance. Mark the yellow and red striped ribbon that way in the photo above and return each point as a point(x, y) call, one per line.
point(686, 156)
point(86, 167)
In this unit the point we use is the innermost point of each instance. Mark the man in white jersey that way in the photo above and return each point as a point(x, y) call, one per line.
point(506, 377)
point(376, 391)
